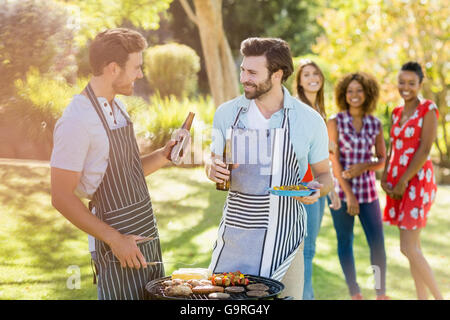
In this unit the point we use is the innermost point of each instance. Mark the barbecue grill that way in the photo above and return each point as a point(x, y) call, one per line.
point(155, 290)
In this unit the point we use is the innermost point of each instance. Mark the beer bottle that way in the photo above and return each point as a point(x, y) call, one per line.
point(178, 148)
point(225, 185)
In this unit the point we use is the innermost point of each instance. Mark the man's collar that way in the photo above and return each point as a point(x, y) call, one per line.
point(287, 100)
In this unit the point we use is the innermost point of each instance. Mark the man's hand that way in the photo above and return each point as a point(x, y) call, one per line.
point(216, 170)
point(125, 249)
point(177, 136)
point(167, 149)
point(314, 196)
point(160, 157)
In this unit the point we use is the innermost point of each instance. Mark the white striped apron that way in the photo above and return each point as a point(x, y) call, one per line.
point(122, 200)
point(260, 233)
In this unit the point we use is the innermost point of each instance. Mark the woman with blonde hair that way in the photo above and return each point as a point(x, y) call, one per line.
point(309, 88)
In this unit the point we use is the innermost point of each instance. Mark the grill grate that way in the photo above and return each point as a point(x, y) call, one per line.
point(155, 290)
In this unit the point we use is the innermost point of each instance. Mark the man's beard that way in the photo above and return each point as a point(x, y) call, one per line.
point(260, 89)
point(121, 87)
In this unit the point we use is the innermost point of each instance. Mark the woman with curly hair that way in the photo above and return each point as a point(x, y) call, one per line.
point(309, 87)
point(408, 178)
point(356, 132)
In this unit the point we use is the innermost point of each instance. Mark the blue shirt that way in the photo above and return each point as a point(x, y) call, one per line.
point(308, 132)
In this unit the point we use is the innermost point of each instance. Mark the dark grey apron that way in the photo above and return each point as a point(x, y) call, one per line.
point(122, 200)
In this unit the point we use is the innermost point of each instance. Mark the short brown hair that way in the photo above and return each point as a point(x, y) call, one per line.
point(370, 87)
point(114, 45)
point(276, 51)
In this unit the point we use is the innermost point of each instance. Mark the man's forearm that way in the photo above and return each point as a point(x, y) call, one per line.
point(71, 207)
point(153, 161)
point(327, 181)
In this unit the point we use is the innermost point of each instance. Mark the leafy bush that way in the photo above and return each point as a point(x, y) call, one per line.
point(171, 69)
point(33, 111)
point(40, 100)
point(47, 93)
point(155, 121)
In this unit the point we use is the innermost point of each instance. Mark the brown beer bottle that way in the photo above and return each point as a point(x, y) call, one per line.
point(177, 149)
point(225, 185)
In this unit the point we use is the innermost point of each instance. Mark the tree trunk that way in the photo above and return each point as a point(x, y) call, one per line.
point(220, 68)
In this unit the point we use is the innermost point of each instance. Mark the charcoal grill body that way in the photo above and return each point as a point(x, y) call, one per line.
point(155, 290)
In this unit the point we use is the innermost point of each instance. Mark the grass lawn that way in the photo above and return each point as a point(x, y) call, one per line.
point(41, 252)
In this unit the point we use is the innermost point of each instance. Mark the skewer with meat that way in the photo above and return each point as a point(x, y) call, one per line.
point(229, 279)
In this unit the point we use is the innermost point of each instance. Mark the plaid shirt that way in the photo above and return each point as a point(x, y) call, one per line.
point(355, 148)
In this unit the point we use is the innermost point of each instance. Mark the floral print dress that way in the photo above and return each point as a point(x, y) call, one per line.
point(411, 211)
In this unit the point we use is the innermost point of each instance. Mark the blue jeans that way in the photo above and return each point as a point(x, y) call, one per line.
point(314, 213)
point(370, 217)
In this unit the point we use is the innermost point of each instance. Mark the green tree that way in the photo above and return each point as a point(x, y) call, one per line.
point(93, 16)
point(34, 34)
point(220, 68)
point(291, 20)
point(379, 36)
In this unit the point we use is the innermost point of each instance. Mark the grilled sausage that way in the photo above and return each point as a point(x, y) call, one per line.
point(206, 289)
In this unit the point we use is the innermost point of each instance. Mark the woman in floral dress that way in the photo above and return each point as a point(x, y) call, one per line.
point(408, 178)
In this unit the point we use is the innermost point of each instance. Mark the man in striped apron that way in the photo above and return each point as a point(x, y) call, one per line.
point(96, 156)
point(273, 138)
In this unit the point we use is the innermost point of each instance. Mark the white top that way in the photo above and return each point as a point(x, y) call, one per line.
point(256, 120)
point(80, 142)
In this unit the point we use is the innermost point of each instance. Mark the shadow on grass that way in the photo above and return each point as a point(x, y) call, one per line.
point(40, 237)
point(20, 182)
point(38, 245)
point(328, 285)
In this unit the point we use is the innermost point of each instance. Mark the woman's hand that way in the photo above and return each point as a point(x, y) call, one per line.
point(352, 204)
point(332, 147)
point(399, 189)
point(335, 200)
point(386, 186)
point(354, 170)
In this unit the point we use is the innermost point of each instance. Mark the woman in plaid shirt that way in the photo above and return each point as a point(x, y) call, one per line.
point(356, 132)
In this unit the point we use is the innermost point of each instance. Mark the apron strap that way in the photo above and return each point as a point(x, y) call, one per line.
point(97, 107)
point(93, 98)
point(285, 122)
point(122, 112)
point(236, 120)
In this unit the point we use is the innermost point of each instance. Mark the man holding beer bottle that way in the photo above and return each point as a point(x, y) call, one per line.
point(270, 138)
point(95, 156)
